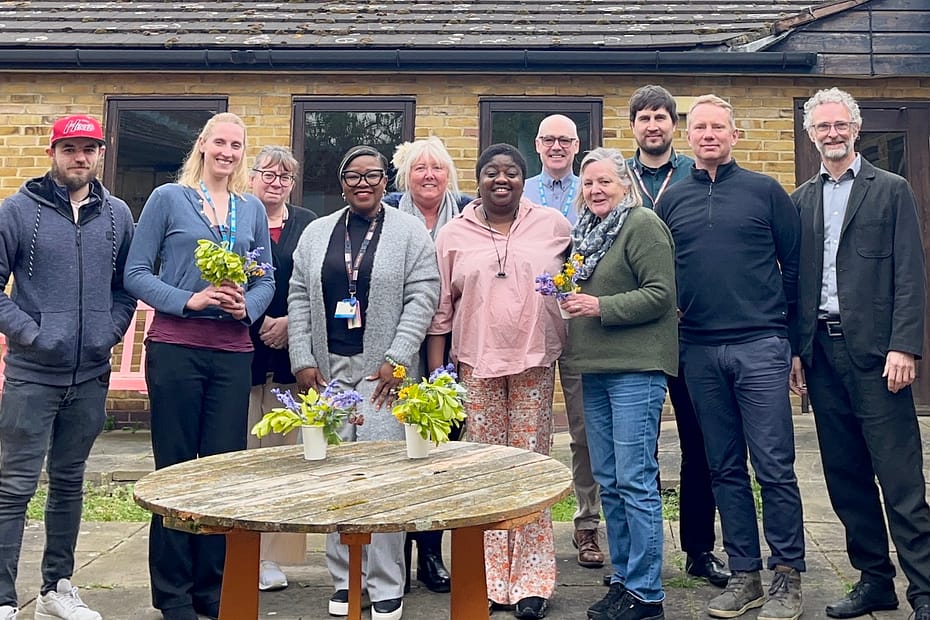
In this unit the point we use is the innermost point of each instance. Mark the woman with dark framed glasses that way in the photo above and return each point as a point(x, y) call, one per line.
point(364, 290)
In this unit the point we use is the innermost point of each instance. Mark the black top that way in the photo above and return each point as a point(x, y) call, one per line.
point(737, 241)
point(342, 340)
point(265, 359)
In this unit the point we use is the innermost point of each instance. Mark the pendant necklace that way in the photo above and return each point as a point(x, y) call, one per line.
point(501, 264)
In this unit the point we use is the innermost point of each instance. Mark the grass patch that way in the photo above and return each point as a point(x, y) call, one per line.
point(100, 504)
point(565, 509)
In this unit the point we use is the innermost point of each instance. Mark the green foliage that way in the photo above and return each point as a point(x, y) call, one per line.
point(329, 410)
point(671, 510)
point(564, 511)
point(432, 405)
point(101, 503)
point(217, 264)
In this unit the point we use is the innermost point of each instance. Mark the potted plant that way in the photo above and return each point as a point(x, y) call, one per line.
point(320, 416)
point(428, 408)
point(562, 284)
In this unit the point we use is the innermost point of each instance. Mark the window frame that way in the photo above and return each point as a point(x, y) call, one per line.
point(115, 104)
point(300, 105)
point(487, 106)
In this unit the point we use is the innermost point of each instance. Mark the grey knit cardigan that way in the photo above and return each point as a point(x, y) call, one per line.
point(402, 299)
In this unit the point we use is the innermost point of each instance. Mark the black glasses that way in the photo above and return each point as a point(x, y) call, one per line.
point(268, 176)
point(564, 141)
point(354, 179)
point(840, 127)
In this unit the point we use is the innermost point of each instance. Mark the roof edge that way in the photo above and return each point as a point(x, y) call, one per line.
point(402, 60)
point(813, 14)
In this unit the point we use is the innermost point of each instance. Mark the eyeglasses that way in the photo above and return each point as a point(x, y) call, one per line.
point(268, 176)
point(354, 179)
point(564, 141)
point(840, 127)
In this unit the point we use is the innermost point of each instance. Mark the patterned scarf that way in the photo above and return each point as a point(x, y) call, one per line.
point(447, 210)
point(592, 236)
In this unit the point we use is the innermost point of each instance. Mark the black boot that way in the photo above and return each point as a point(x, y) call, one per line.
point(431, 572)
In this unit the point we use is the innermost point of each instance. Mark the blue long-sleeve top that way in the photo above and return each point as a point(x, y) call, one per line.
point(737, 247)
point(172, 222)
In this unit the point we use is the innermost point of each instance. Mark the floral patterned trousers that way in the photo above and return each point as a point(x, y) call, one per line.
point(515, 410)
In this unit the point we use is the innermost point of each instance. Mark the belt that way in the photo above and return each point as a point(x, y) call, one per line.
point(831, 325)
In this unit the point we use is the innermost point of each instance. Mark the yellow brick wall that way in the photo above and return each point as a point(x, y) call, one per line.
point(446, 106)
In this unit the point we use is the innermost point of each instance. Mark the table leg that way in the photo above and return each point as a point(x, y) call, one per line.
point(354, 542)
point(469, 580)
point(239, 596)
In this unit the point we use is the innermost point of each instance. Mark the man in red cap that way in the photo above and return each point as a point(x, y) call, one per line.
point(64, 240)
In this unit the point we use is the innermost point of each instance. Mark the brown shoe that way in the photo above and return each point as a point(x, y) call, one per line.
point(589, 552)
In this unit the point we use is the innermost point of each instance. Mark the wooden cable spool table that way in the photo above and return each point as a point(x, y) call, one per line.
point(360, 489)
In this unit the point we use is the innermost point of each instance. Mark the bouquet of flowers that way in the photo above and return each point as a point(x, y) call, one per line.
point(432, 404)
point(328, 409)
point(218, 264)
point(563, 283)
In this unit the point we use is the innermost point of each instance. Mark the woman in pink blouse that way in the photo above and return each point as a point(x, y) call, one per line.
point(505, 340)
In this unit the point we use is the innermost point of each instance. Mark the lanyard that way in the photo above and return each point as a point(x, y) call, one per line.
point(642, 185)
point(566, 201)
point(231, 239)
point(352, 269)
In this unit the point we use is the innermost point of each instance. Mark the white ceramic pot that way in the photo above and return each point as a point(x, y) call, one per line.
point(417, 447)
point(314, 443)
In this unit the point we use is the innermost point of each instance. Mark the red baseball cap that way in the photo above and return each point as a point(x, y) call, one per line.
point(76, 126)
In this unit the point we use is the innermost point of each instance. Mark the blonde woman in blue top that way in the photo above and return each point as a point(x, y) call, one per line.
point(198, 366)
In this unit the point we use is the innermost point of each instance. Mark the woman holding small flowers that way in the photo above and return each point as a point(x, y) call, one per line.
point(505, 340)
point(364, 289)
point(623, 340)
point(198, 347)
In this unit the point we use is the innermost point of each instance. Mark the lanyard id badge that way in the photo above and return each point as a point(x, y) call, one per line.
point(349, 309)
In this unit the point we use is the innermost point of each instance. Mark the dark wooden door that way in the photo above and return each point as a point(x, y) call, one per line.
point(895, 136)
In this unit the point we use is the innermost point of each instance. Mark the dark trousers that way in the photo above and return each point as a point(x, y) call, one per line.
point(696, 498)
point(865, 432)
point(56, 426)
point(740, 394)
point(200, 402)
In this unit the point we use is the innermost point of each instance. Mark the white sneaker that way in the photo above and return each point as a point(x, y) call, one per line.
point(63, 603)
point(271, 577)
point(8, 613)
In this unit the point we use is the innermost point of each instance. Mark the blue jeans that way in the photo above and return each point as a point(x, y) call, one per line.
point(740, 394)
point(63, 423)
point(621, 414)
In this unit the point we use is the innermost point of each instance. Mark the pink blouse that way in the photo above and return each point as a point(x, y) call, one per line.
point(501, 326)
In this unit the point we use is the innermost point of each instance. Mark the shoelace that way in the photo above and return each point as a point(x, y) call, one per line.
point(779, 583)
point(737, 581)
point(71, 599)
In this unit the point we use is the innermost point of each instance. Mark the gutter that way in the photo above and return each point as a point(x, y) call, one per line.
point(597, 60)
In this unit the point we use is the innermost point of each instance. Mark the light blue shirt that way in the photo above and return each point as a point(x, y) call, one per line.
point(835, 198)
point(557, 193)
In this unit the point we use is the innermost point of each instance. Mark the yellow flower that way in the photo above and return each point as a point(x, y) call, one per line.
point(569, 270)
point(558, 280)
point(577, 258)
point(400, 372)
point(404, 393)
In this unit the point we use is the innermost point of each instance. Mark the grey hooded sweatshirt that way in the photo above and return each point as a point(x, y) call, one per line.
point(67, 307)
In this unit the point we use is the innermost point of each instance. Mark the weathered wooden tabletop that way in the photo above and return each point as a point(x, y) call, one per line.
point(360, 489)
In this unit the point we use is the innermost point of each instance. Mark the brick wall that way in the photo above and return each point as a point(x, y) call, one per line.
point(446, 106)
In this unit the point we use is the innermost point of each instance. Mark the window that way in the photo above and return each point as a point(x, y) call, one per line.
point(325, 128)
point(148, 139)
point(514, 120)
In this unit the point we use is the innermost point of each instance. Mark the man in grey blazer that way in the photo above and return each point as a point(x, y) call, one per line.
point(859, 331)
